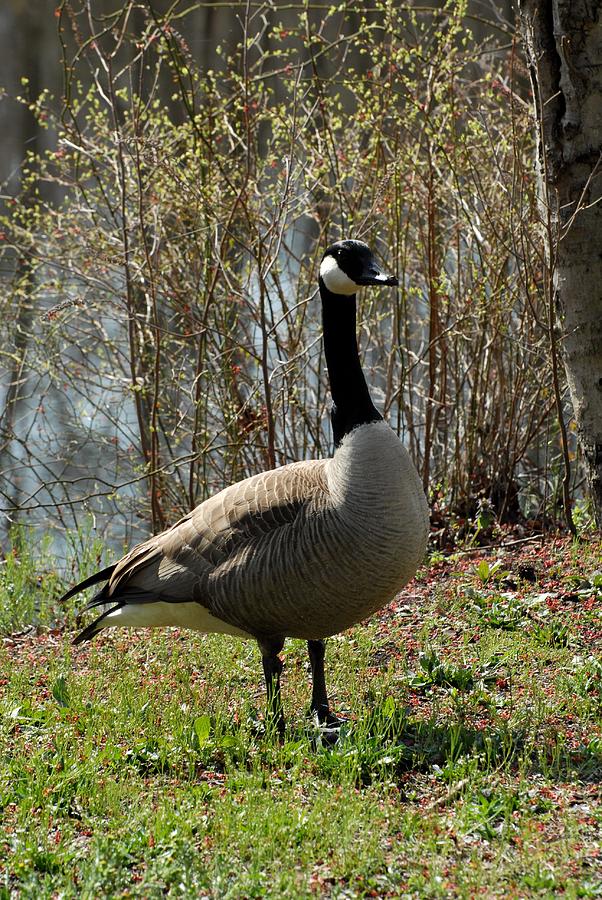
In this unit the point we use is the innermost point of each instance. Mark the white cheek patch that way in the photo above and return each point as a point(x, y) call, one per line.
point(335, 279)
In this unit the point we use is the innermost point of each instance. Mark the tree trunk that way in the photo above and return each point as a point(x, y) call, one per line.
point(564, 47)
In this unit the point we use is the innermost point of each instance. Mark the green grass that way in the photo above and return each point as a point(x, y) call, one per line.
point(137, 766)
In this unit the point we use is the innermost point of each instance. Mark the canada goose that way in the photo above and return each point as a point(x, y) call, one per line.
point(302, 551)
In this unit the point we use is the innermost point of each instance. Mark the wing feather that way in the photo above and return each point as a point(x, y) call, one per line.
point(217, 537)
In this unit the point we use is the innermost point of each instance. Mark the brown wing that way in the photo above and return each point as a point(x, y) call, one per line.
point(184, 562)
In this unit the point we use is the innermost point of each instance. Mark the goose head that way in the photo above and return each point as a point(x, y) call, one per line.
point(349, 265)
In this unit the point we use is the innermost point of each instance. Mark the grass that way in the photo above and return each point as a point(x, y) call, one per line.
point(137, 766)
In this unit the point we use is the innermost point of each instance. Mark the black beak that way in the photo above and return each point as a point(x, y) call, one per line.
point(373, 275)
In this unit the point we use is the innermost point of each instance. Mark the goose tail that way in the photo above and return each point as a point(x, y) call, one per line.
point(103, 575)
point(95, 627)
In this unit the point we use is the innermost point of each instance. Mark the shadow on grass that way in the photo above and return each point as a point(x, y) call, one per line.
point(385, 745)
point(389, 742)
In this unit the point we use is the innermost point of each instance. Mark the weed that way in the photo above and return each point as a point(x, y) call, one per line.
point(587, 587)
point(436, 672)
point(27, 587)
point(433, 671)
point(552, 634)
point(586, 676)
point(583, 516)
point(487, 813)
point(540, 879)
point(504, 611)
point(485, 572)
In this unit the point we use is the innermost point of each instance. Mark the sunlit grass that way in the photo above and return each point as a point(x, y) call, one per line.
point(138, 765)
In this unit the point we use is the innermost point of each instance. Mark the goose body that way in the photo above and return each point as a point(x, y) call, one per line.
point(303, 551)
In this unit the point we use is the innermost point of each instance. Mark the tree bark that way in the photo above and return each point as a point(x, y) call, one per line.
point(564, 47)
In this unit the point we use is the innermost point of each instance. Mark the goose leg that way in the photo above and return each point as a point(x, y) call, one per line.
point(319, 697)
point(272, 667)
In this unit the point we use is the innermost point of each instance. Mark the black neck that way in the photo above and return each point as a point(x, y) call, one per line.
point(352, 405)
